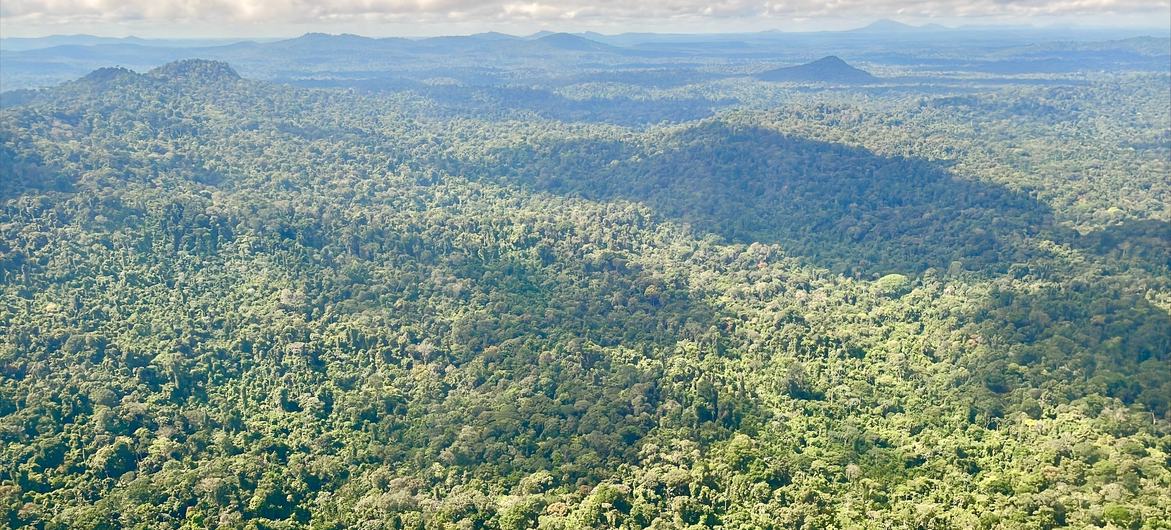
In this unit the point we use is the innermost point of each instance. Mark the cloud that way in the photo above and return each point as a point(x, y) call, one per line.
point(43, 12)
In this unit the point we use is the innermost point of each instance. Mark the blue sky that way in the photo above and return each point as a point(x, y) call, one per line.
point(274, 18)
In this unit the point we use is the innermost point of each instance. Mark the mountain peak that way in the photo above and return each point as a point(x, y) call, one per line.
point(318, 36)
point(831, 61)
point(494, 35)
point(887, 24)
point(196, 69)
point(569, 41)
point(828, 69)
point(109, 74)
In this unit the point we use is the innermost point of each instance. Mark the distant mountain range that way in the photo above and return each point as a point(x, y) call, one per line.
point(34, 43)
point(487, 57)
point(877, 28)
point(829, 69)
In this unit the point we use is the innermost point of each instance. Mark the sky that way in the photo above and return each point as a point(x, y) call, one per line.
point(281, 18)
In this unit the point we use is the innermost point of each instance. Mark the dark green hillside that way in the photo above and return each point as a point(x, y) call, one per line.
point(195, 70)
point(846, 209)
point(227, 303)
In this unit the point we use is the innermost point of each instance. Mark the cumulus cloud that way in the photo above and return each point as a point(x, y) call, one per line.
point(550, 11)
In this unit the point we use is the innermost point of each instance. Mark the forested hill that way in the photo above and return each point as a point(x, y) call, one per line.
point(825, 70)
point(235, 304)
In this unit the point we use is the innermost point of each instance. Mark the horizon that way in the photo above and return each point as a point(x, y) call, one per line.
point(216, 19)
point(1055, 26)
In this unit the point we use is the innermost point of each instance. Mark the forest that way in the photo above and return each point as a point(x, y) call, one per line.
point(584, 284)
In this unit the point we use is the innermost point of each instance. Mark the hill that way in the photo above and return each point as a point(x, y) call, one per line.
point(829, 69)
point(886, 26)
point(196, 70)
point(570, 42)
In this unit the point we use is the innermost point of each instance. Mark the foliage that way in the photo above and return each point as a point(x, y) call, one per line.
point(227, 303)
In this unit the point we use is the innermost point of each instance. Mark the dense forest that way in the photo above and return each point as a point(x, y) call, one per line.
point(726, 302)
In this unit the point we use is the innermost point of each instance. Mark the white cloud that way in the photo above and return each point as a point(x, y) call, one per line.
point(18, 14)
